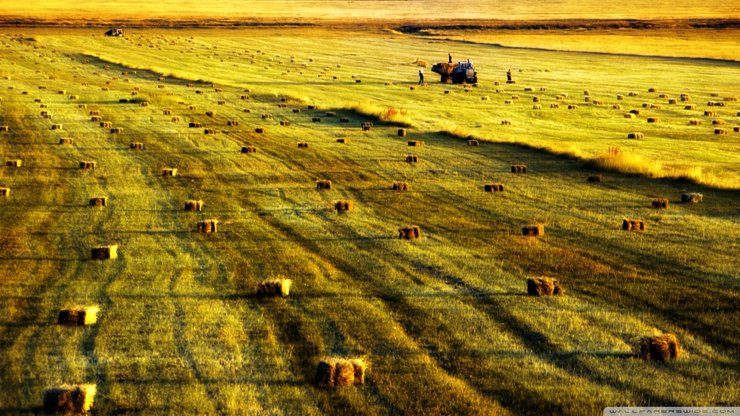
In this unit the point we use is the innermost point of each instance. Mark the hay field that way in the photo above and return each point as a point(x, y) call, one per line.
point(443, 321)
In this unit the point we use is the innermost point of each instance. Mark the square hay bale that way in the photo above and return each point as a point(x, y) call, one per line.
point(99, 201)
point(331, 114)
point(284, 123)
point(400, 186)
point(232, 123)
point(620, 97)
point(653, 119)
point(274, 287)
point(249, 149)
point(266, 117)
point(633, 225)
point(412, 159)
point(659, 348)
point(323, 184)
point(343, 140)
point(343, 206)
point(572, 107)
point(210, 113)
point(719, 122)
point(4, 128)
point(4, 191)
point(169, 172)
point(505, 122)
point(660, 203)
point(733, 98)
point(401, 133)
point(78, 315)
point(647, 105)
point(210, 131)
point(106, 124)
point(709, 113)
point(720, 131)
point(296, 110)
point(303, 145)
point(175, 119)
point(104, 252)
point(15, 163)
point(316, 119)
point(635, 135)
point(692, 197)
point(416, 143)
point(136, 146)
point(635, 112)
point(66, 140)
point(535, 99)
point(493, 187)
point(194, 205)
point(544, 286)
point(633, 94)
point(69, 399)
point(554, 105)
point(56, 127)
point(536, 107)
point(685, 97)
point(736, 129)
point(96, 119)
point(259, 130)
point(690, 107)
point(194, 125)
point(629, 115)
point(518, 168)
point(594, 179)
point(192, 107)
point(222, 102)
point(88, 164)
point(473, 143)
point(208, 226)
point(672, 101)
point(694, 122)
point(533, 230)
point(410, 232)
point(244, 97)
point(587, 99)
point(508, 102)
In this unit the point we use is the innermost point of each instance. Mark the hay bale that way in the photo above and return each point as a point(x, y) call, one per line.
point(505, 122)
point(412, 158)
point(343, 140)
point(594, 179)
point(106, 124)
point(660, 203)
point(136, 146)
point(554, 105)
point(694, 122)
point(259, 130)
point(316, 119)
point(4, 191)
point(303, 145)
point(635, 112)
point(274, 287)
point(222, 103)
point(232, 123)
point(331, 114)
point(633, 225)
point(709, 113)
point(244, 97)
point(692, 197)
point(587, 99)
point(194, 125)
point(249, 149)
point(410, 232)
point(635, 135)
point(169, 172)
point(633, 94)
point(285, 123)
point(518, 168)
point(400, 186)
point(720, 131)
point(620, 97)
point(192, 107)
point(736, 129)
point(78, 315)
point(343, 206)
point(210, 131)
point(96, 119)
point(629, 115)
point(194, 205)
point(672, 101)
point(104, 252)
point(66, 399)
point(401, 133)
point(508, 102)
point(66, 140)
point(88, 164)
point(493, 187)
point(175, 119)
point(99, 201)
point(533, 230)
point(116, 130)
point(323, 184)
point(15, 163)
point(733, 98)
point(653, 119)
point(544, 286)
point(690, 107)
point(718, 122)
point(473, 143)
point(56, 127)
point(616, 107)
point(572, 107)
point(416, 143)
point(207, 226)
point(659, 348)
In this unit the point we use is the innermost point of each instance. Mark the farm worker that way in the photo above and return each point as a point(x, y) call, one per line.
point(421, 76)
point(449, 58)
point(508, 75)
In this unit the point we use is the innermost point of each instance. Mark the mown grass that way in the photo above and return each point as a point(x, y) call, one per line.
point(444, 321)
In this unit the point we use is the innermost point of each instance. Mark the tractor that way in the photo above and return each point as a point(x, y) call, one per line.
point(459, 73)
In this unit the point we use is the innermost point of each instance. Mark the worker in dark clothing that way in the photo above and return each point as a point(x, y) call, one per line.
point(421, 76)
point(508, 75)
point(449, 58)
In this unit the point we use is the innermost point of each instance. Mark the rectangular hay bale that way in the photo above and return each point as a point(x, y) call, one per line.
point(67, 399)
point(274, 287)
point(78, 315)
point(105, 252)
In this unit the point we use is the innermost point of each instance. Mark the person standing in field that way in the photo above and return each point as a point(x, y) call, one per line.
point(421, 76)
point(449, 58)
point(508, 75)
